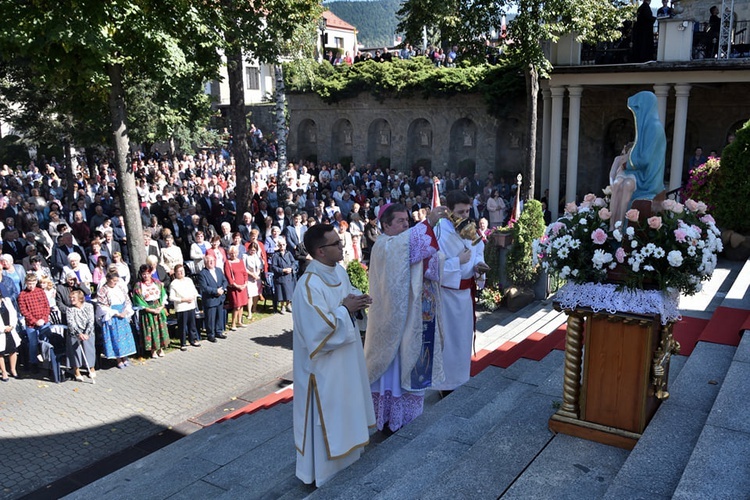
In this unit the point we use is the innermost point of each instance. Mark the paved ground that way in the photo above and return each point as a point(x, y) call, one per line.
point(50, 430)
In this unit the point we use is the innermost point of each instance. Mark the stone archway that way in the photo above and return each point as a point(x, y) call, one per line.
point(379, 143)
point(341, 142)
point(462, 154)
point(307, 140)
point(419, 145)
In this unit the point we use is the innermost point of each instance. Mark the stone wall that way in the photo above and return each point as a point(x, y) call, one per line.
point(455, 133)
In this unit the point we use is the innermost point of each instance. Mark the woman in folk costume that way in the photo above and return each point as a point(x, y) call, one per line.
point(152, 297)
point(80, 341)
point(113, 312)
point(403, 344)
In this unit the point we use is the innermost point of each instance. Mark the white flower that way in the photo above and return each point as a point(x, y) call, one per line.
point(633, 244)
point(618, 224)
point(659, 253)
point(617, 234)
point(564, 272)
point(630, 231)
point(691, 251)
point(574, 272)
point(575, 244)
point(648, 268)
point(674, 258)
point(601, 258)
point(563, 253)
point(607, 190)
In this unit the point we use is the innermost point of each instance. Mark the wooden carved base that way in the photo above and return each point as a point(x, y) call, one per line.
point(616, 375)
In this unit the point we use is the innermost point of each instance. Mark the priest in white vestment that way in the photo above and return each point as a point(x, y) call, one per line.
point(403, 344)
point(332, 403)
point(463, 263)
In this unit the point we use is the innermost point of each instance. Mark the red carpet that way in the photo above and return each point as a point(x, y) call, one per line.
point(725, 326)
point(687, 331)
point(282, 396)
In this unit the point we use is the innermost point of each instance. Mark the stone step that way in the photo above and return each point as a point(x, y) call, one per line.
point(258, 444)
point(656, 464)
point(534, 317)
point(718, 464)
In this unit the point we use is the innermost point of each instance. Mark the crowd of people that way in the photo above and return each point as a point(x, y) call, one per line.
point(65, 259)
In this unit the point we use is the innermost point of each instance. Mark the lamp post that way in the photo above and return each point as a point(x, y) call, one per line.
point(322, 25)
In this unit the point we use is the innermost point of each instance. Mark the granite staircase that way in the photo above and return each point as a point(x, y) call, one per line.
point(487, 439)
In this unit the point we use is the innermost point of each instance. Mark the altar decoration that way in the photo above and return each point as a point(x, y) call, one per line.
point(622, 294)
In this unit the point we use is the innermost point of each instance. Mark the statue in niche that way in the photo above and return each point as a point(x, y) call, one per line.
point(424, 138)
point(514, 139)
point(311, 135)
point(347, 136)
point(383, 137)
point(468, 139)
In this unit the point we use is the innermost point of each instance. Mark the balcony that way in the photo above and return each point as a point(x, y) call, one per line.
point(675, 40)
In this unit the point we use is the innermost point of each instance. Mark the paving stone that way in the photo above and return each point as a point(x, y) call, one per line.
point(732, 405)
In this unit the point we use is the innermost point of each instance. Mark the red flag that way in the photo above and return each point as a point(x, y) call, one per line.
point(435, 193)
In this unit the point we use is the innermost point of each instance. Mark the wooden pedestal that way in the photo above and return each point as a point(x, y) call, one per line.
point(625, 363)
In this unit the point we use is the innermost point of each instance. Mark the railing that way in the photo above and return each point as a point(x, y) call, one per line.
point(704, 46)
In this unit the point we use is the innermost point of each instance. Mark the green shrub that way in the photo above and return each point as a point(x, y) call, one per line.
point(732, 191)
point(520, 263)
point(358, 276)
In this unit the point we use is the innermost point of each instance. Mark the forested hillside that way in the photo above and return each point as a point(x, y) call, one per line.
point(375, 20)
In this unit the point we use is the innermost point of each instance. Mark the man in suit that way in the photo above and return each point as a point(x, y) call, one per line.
point(280, 219)
point(247, 226)
point(109, 245)
point(13, 246)
point(152, 248)
point(295, 234)
point(212, 285)
point(61, 251)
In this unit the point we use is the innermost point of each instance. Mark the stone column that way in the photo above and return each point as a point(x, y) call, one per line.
point(662, 93)
point(682, 92)
point(574, 124)
point(558, 93)
point(546, 121)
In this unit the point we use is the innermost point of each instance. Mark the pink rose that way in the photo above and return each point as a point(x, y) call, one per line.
point(701, 207)
point(589, 198)
point(654, 222)
point(697, 229)
point(668, 204)
point(599, 236)
point(707, 219)
point(680, 235)
point(604, 214)
point(599, 202)
point(620, 255)
point(556, 227)
point(571, 208)
point(692, 205)
point(632, 215)
point(678, 208)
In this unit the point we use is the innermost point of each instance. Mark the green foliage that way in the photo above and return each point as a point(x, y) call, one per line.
point(733, 187)
point(502, 84)
point(492, 259)
point(375, 20)
point(520, 263)
point(12, 151)
point(358, 276)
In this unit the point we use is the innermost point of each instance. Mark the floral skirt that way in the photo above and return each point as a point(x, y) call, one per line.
point(155, 330)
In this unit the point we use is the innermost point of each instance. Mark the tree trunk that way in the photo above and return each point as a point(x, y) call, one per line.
point(125, 177)
point(532, 93)
point(281, 133)
point(91, 162)
point(70, 176)
point(238, 126)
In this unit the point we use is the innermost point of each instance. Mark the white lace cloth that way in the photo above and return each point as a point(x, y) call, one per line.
point(606, 297)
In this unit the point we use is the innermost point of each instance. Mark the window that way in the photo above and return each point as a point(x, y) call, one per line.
point(339, 42)
point(252, 75)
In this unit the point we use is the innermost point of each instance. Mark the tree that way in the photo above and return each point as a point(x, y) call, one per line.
point(93, 48)
point(266, 31)
point(466, 23)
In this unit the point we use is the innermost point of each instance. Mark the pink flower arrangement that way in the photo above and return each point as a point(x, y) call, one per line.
point(632, 215)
